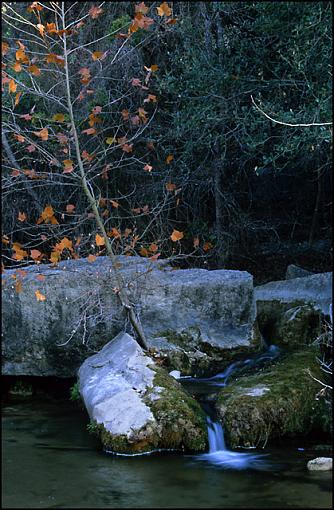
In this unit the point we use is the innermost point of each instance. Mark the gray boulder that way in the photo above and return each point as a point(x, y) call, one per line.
point(293, 271)
point(320, 464)
point(134, 405)
point(190, 317)
point(289, 312)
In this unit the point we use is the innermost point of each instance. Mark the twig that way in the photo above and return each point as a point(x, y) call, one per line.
point(286, 123)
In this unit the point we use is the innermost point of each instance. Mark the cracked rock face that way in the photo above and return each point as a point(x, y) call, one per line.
point(135, 406)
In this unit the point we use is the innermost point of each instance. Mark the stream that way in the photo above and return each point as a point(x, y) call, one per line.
point(49, 460)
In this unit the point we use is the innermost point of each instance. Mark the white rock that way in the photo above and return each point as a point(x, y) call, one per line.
point(320, 464)
point(175, 373)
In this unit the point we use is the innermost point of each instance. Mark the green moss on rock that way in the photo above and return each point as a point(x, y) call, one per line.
point(280, 401)
point(181, 419)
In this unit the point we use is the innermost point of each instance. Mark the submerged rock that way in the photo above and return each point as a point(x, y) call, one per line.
point(320, 464)
point(280, 401)
point(134, 405)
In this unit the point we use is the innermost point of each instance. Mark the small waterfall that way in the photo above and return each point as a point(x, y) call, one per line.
point(215, 436)
point(218, 454)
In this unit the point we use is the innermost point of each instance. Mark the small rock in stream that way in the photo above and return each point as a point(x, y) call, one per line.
point(320, 464)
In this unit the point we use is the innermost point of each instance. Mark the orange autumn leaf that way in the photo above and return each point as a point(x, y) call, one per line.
point(91, 258)
point(19, 138)
point(97, 55)
point(207, 246)
point(15, 172)
point(150, 97)
point(58, 117)
point(196, 242)
point(17, 67)
point(52, 58)
point(41, 29)
point(35, 254)
point(39, 296)
point(99, 240)
point(169, 158)
point(68, 166)
point(171, 21)
point(63, 244)
point(176, 235)
point(153, 247)
point(164, 9)
point(143, 21)
point(170, 186)
point(155, 256)
point(126, 147)
point(114, 203)
point(4, 48)
point(142, 8)
point(70, 208)
point(46, 215)
point(114, 233)
point(125, 114)
point(18, 286)
point(54, 257)
point(40, 277)
point(89, 131)
point(51, 28)
point(26, 116)
point(95, 11)
point(17, 98)
point(87, 156)
point(21, 56)
point(143, 252)
point(12, 86)
point(43, 134)
point(34, 5)
point(33, 69)
point(22, 216)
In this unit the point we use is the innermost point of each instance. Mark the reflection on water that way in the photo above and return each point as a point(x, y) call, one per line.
point(50, 461)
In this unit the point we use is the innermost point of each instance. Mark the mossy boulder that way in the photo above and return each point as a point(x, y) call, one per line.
point(277, 402)
point(136, 406)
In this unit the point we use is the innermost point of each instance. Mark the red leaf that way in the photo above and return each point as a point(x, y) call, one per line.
point(95, 11)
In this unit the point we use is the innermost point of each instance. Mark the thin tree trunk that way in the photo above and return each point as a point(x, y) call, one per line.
point(121, 289)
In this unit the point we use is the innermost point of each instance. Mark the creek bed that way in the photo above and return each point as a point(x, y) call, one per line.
point(49, 460)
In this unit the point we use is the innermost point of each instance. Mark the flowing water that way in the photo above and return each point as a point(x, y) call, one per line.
point(49, 460)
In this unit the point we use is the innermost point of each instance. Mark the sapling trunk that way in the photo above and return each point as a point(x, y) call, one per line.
point(121, 289)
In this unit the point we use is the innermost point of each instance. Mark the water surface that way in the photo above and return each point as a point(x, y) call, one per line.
point(49, 460)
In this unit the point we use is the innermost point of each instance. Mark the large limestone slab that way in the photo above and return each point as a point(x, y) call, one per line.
point(134, 406)
point(315, 289)
point(204, 309)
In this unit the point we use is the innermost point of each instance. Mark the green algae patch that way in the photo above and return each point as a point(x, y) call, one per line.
point(182, 422)
point(279, 401)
